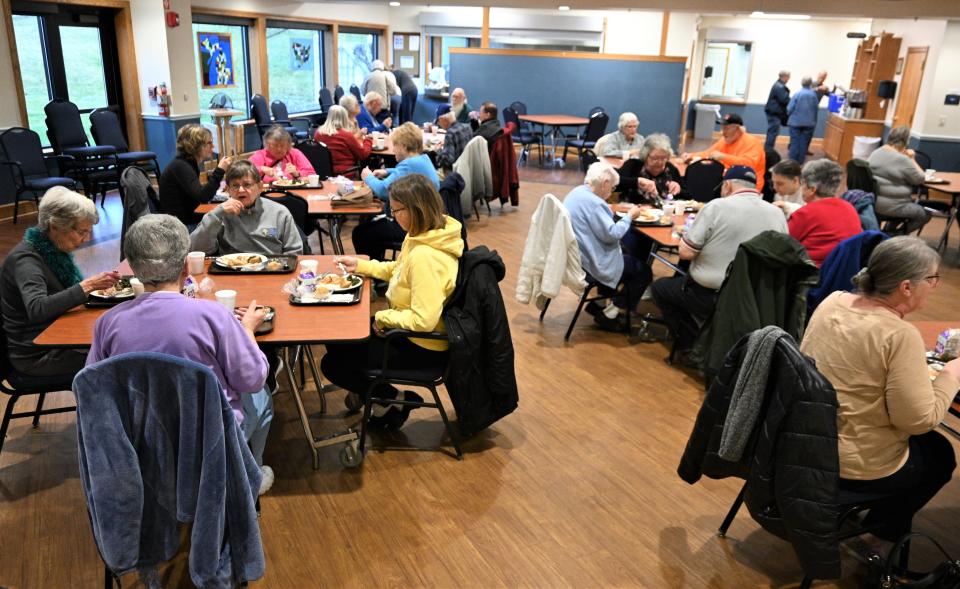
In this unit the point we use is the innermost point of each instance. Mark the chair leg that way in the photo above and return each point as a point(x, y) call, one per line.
point(36, 416)
point(6, 418)
point(544, 312)
point(576, 314)
point(16, 206)
point(454, 437)
point(722, 532)
point(806, 583)
point(367, 408)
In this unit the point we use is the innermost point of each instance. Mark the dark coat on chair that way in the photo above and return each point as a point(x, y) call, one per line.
point(159, 446)
point(791, 463)
point(766, 284)
point(480, 379)
point(846, 259)
point(503, 167)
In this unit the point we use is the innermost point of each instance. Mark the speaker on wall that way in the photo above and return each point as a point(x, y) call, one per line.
point(887, 89)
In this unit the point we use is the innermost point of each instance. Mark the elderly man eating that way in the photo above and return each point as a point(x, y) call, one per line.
point(625, 138)
point(367, 119)
point(459, 105)
point(457, 137)
point(735, 148)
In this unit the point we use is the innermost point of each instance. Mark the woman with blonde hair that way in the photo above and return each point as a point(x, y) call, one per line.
point(345, 149)
point(428, 258)
point(372, 238)
point(180, 188)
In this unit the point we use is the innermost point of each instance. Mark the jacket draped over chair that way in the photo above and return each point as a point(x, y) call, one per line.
point(551, 255)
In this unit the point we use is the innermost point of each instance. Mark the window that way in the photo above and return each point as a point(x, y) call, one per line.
point(222, 65)
point(445, 44)
point(726, 69)
point(33, 70)
point(355, 53)
point(295, 67)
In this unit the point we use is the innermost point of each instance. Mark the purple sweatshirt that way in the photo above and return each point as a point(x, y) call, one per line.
point(194, 329)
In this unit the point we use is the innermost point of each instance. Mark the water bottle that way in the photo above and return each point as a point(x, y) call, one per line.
point(688, 223)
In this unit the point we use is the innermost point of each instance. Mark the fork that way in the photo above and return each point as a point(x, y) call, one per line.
point(343, 269)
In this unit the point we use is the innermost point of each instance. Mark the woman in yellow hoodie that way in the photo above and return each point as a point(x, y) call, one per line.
point(421, 280)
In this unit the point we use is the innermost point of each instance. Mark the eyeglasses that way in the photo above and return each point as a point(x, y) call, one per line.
point(933, 279)
point(83, 233)
point(209, 143)
point(248, 186)
point(398, 209)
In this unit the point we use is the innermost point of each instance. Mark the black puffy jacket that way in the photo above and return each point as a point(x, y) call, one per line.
point(480, 378)
point(791, 463)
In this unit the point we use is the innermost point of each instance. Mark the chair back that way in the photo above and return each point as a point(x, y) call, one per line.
point(64, 127)
point(338, 93)
point(138, 197)
point(319, 156)
point(279, 110)
point(325, 99)
point(356, 92)
point(596, 110)
point(105, 128)
point(450, 191)
point(772, 158)
point(259, 112)
point(23, 145)
point(703, 179)
point(597, 126)
point(860, 176)
point(510, 115)
point(299, 210)
point(442, 109)
point(923, 159)
point(588, 157)
point(519, 107)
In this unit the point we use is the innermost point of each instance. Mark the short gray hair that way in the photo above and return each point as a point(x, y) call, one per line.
point(905, 257)
point(349, 102)
point(277, 133)
point(61, 208)
point(823, 176)
point(625, 119)
point(376, 65)
point(600, 171)
point(741, 183)
point(784, 73)
point(156, 247)
point(370, 97)
point(653, 143)
point(448, 117)
point(806, 81)
point(899, 136)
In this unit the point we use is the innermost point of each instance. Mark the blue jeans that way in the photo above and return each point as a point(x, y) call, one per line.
point(773, 129)
point(257, 415)
point(799, 143)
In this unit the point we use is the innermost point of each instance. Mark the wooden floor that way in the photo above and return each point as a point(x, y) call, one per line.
point(578, 488)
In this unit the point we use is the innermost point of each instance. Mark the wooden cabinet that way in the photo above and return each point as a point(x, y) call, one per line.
point(876, 61)
point(840, 132)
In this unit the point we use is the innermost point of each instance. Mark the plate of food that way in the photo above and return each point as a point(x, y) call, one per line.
point(340, 282)
point(243, 262)
point(652, 217)
point(121, 291)
point(289, 183)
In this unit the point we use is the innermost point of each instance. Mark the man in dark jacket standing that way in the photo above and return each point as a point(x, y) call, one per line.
point(776, 108)
point(408, 94)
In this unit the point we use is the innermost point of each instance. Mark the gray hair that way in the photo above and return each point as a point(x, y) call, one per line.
point(337, 118)
point(899, 136)
point(448, 117)
point(370, 97)
point(823, 176)
point(806, 81)
point(653, 143)
point(156, 247)
point(277, 133)
point(349, 102)
point(905, 257)
point(741, 183)
point(376, 65)
point(600, 171)
point(625, 119)
point(784, 73)
point(61, 208)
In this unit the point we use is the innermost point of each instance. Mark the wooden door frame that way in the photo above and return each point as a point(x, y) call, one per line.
point(925, 51)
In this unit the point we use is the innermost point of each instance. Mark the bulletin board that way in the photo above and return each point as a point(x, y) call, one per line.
point(406, 52)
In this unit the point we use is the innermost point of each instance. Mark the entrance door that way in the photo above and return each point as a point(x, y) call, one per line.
point(910, 86)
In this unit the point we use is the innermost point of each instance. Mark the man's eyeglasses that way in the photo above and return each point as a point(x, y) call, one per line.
point(248, 186)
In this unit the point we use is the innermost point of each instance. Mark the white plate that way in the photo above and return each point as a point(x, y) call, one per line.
point(229, 261)
point(355, 280)
point(126, 293)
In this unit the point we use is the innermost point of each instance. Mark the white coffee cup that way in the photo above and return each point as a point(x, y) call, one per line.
point(137, 287)
point(668, 209)
point(308, 266)
point(195, 263)
point(314, 179)
point(929, 173)
point(380, 143)
point(227, 298)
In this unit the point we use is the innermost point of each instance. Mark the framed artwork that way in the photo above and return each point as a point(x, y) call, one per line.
point(301, 54)
point(216, 60)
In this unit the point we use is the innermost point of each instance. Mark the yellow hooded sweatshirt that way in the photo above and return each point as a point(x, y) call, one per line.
point(421, 280)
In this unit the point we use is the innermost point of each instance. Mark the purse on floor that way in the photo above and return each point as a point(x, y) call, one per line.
point(945, 575)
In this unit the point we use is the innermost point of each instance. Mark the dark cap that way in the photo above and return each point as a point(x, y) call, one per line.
point(732, 119)
point(741, 173)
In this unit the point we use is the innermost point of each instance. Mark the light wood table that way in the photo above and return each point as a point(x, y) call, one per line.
point(930, 330)
point(221, 118)
point(945, 192)
point(556, 124)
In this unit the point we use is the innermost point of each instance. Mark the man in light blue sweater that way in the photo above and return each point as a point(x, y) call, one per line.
point(802, 120)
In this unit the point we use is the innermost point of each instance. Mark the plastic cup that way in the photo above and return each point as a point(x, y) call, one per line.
point(668, 209)
point(137, 287)
point(309, 266)
point(195, 263)
point(314, 179)
point(929, 173)
point(381, 143)
point(227, 298)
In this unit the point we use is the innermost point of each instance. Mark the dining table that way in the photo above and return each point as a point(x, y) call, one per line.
point(944, 187)
point(663, 238)
point(556, 123)
point(295, 328)
point(929, 330)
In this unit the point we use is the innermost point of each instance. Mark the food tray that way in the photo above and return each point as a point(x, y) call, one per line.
point(290, 259)
point(95, 303)
point(657, 223)
point(355, 296)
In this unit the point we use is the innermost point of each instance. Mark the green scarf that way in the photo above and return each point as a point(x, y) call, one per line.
point(58, 261)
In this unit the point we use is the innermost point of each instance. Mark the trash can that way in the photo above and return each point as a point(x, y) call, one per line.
point(706, 120)
point(864, 146)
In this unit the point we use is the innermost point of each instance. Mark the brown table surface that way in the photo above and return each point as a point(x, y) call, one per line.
point(315, 207)
point(662, 236)
point(930, 330)
point(555, 120)
point(388, 147)
point(947, 192)
point(292, 324)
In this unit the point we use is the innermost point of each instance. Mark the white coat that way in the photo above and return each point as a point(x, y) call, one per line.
point(551, 256)
point(474, 165)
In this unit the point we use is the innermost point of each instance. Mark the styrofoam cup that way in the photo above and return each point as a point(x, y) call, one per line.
point(195, 263)
point(227, 298)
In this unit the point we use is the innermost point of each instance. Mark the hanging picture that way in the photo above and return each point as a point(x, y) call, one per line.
point(216, 60)
point(301, 54)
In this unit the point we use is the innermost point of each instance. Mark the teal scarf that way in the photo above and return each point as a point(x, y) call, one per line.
point(58, 261)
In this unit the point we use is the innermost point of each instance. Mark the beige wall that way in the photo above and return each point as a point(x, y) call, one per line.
point(149, 31)
point(942, 120)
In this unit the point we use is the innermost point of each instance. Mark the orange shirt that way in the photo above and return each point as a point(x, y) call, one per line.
point(747, 150)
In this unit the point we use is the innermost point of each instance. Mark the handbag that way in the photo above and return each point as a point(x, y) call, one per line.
point(945, 575)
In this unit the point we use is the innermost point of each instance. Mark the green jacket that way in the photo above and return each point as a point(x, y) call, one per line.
point(766, 284)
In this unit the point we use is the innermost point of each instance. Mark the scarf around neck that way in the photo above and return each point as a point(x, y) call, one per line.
point(58, 261)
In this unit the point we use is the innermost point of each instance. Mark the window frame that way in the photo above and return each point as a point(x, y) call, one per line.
point(321, 29)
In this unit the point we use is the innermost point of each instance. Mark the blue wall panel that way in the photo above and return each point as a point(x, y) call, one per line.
point(572, 86)
point(161, 136)
point(755, 120)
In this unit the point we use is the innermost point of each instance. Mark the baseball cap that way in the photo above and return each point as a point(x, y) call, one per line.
point(741, 173)
point(732, 119)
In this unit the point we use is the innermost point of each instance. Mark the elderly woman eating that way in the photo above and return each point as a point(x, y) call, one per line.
point(599, 237)
point(888, 407)
point(180, 187)
point(279, 159)
point(40, 282)
point(346, 148)
point(646, 179)
point(625, 138)
point(826, 220)
point(897, 175)
point(199, 330)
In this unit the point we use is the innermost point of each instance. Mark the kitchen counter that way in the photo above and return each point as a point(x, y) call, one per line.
point(840, 133)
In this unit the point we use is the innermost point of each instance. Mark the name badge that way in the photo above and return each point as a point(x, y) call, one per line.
point(269, 232)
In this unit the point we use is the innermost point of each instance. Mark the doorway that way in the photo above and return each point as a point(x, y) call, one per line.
point(913, 65)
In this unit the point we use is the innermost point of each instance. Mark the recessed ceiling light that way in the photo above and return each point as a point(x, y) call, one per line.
point(564, 7)
point(777, 16)
point(394, 4)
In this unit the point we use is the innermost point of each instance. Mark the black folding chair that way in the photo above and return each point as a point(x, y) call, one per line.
point(319, 156)
point(603, 292)
point(525, 138)
point(261, 116)
point(356, 93)
point(106, 130)
point(281, 117)
point(338, 93)
point(96, 167)
point(21, 153)
point(703, 179)
point(595, 130)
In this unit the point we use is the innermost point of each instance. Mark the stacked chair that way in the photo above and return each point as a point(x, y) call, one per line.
point(97, 168)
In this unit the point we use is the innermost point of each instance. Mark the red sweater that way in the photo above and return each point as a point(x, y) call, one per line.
point(345, 150)
point(822, 224)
